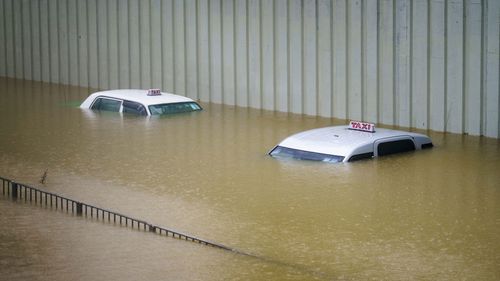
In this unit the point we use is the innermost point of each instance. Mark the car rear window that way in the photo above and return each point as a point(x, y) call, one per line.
point(169, 108)
point(398, 146)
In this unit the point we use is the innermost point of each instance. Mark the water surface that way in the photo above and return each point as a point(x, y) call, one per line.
point(428, 215)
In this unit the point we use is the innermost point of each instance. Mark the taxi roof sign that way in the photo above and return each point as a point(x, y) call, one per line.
point(362, 126)
point(154, 92)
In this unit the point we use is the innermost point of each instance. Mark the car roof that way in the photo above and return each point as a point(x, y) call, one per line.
point(140, 96)
point(340, 140)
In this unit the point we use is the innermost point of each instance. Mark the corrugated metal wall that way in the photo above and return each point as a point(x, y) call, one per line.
point(426, 63)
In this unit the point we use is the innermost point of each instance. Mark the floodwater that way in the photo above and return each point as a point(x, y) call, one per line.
point(428, 215)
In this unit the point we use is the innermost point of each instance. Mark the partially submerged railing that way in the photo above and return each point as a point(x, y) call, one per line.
point(18, 191)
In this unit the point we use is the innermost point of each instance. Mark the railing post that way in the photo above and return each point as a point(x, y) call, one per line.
point(79, 209)
point(152, 228)
point(15, 188)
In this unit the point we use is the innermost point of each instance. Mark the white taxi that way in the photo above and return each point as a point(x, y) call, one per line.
point(358, 140)
point(141, 102)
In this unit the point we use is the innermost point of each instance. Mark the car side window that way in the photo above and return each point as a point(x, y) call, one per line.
point(397, 146)
point(134, 108)
point(361, 156)
point(106, 104)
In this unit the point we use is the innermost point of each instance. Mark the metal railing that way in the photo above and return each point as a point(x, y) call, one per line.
point(18, 191)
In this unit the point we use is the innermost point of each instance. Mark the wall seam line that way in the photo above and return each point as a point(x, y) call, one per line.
point(31, 40)
point(483, 70)
point(235, 63)
point(395, 99)
point(4, 39)
point(261, 98)
point(378, 62)
point(347, 54)
point(209, 18)
point(186, 52)
point(428, 66)
point(221, 32)
point(465, 84)
point(332, 60)
point(363, 56)
point(196, 49)
point(445, 104)
point(40, 41)
point(21, 34)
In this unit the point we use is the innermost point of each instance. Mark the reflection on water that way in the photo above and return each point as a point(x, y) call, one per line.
point(428, 215)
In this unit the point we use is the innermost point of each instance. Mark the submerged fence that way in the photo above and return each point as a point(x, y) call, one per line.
point(18, 191)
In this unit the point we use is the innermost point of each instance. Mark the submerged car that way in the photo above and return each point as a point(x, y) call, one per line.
point(141, 102)
point(356, 141)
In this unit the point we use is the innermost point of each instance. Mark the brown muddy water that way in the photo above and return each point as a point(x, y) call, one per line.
point(428, 215)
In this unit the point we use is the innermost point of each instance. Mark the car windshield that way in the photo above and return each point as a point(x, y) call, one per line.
point(169, 108)
point(281, 151)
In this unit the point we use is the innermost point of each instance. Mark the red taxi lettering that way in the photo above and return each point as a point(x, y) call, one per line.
point(362, 126)
point(154, 92)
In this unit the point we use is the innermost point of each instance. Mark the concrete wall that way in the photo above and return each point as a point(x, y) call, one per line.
point(429, 64)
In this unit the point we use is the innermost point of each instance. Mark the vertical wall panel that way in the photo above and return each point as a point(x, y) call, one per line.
point(267, 47)
point(324, 58)
point(295, 55)
point(491, 84)
point(203, 65)
point(123, 47)
point(241, 44)
point(402, 75)
point(102, 44)
point(3, 61)
point(156, 59)
point(340, 59)
point(454, 66)
point(419, 65)
point(72, 42)
point(179, 47)
point(27, 44)
point(215, 51)
point(228, 75)
point(191, 53)
point(83, 71)
point(53, 29)
point(437, 63)
point(370, 50)
point(9, 38)
point(145, 43)
point(62, 14)
point(18, 40)
point(429, 64)
point(254, 54)
point(280, 55)
point(309, 74)
point(112, 23)
point(35, 41)
point(134, 44)
point(354, 56)
point(44, 41)
point(472, 67)
point(167, 36)
point(386, 59)
point(93, 54)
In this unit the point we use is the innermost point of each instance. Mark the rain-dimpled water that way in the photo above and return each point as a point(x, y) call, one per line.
point(425, 215)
